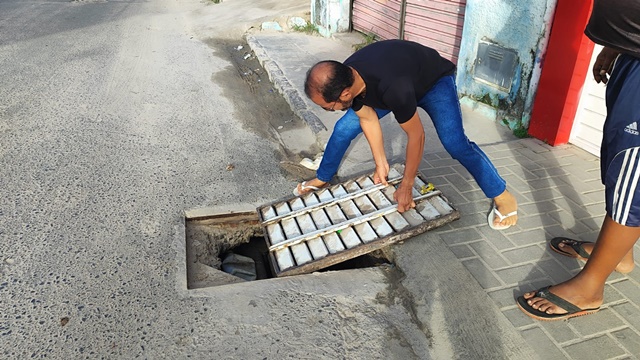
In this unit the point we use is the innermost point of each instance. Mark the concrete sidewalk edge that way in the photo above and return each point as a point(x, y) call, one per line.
point(282, 84)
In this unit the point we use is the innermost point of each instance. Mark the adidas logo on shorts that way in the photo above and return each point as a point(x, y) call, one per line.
point(632, 128)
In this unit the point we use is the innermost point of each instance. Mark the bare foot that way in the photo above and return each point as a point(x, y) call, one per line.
point(571, 291)
point(624, 267)
point(308, 186)
point(505, 204)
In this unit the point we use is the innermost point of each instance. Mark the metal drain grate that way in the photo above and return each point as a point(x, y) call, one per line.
point(328, 226)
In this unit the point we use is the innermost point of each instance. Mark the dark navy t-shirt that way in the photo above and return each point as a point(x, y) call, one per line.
point(397, 73)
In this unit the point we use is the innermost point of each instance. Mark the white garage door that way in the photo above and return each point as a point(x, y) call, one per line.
point(587, 126)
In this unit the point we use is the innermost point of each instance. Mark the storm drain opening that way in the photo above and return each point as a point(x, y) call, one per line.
point(322, 230)
point(230, 248)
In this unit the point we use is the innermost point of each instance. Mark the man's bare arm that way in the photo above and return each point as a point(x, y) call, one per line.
point(373, 132)
point(415, 147)
point(604, 64)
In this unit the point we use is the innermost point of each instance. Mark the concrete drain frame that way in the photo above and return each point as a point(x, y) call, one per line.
point(313, 232)
point(208, 236)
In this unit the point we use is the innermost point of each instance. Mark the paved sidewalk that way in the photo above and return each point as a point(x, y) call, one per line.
point(559, 193)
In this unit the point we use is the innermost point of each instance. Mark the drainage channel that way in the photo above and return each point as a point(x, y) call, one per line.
point(231, 248)
point(344, 226)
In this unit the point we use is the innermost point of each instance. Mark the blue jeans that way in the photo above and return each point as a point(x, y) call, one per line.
point(442, 105)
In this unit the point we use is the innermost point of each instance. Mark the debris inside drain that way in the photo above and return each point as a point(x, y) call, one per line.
point(226, 250)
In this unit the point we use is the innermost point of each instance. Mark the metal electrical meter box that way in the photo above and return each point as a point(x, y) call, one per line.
point(495, 66)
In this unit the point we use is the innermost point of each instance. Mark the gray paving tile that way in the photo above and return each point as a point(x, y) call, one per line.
point(496, 238)
point(438, 181)
point(441, 155)
point(431, 172)
point(499, 162)
point(517, 317)
point(565, 161)
point(496, 153)
point(481, 273)
point(550, 193)
point(596, 210)
point(462, 251)
point(450, 193)
point(542, 183)
point(536, 221)
point(581, 153)
point(436, 163)
point(599, 322)
point(601, 347)
point(477, 207)
point(611, 295)
point(524, 254)
point(512, 145)
point(556, 272)
point(592, 223)
point(476, 195)
point(542, 344)
point(635, 274)
point(530, 154)
point(537, 208)
point(520, 171)
point(629, 312)
point(629, 289)
point(514, 183)
point(615, 277)
point(475, 220)
point(567, 220)
point(576, 212)
point(460, 183)
point(583, 199)
point(461, 170)
point(529, 237)
point(555, 231)
point(629, 339)
point(525, 162)
point(489, 254)
point(506, 297)
point(460, 236)
point(583, 182)
point(560, 331)
point(526, 272)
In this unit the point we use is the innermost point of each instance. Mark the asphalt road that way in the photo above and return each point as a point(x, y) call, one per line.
point(110, 127)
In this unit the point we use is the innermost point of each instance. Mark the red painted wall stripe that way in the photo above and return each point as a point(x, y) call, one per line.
point(565, 66)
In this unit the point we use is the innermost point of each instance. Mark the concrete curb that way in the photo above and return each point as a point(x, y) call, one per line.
point(291, 95)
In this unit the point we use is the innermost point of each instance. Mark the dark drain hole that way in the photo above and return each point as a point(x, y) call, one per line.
point(229, 249)
point(256, 250)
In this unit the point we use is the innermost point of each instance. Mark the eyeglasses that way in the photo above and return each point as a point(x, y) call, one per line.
point(332, 106)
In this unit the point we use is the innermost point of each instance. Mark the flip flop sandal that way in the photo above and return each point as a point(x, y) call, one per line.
point(306, 188)
point(576, 245)
point(493, 213)
point(572, 310)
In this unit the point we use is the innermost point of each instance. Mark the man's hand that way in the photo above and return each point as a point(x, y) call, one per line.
point(380, 176)
point(604, 64)
point(404, 198)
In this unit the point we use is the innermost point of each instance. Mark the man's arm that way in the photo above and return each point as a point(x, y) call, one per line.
point(373, 132)
point(415, 147)
point(604, 64)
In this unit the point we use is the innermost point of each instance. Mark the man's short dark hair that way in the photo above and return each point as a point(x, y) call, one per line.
point(328, 78)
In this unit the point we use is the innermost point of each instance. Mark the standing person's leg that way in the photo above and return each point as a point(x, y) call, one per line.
point(442, 104)
point(345, 130)
point(583, 294)
point(620, 169)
